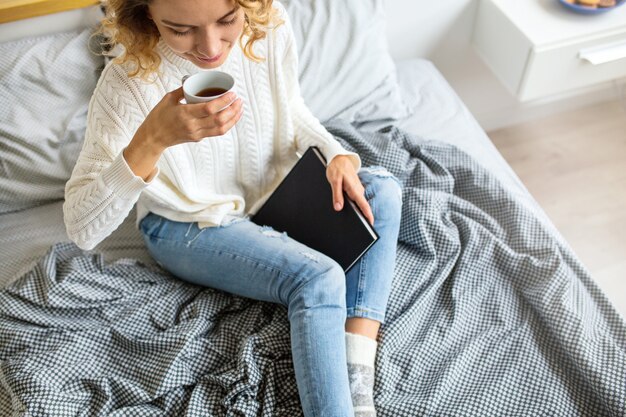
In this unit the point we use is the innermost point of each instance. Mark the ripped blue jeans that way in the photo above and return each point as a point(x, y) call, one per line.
point(257, 262)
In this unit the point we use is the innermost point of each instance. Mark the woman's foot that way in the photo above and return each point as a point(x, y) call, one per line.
point(361, 355)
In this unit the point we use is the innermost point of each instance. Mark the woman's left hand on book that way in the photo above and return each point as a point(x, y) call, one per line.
point(342, 176)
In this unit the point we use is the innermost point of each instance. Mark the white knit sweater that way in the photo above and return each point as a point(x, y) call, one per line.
point(209, 182)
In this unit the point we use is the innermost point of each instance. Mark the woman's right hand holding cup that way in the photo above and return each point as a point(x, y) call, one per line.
point(171, 123)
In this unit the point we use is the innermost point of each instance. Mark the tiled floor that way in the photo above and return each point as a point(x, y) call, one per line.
point(574, 164)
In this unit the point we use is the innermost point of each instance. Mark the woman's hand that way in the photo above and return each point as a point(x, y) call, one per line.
point(343, 177)
point(171, 123)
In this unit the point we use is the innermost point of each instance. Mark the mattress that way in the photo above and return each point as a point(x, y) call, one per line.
point(438, 114)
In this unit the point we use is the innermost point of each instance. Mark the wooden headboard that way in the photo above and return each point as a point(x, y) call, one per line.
point(11, 10)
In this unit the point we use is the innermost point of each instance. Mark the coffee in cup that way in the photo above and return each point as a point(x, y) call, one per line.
point(206, 86)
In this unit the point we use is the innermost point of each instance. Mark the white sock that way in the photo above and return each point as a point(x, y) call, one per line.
point(361, 355)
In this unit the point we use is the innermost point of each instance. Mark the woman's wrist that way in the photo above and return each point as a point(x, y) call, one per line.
point(344, 159)
point(142, 154)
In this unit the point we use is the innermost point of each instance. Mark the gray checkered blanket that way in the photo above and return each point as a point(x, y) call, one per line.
point(491, 314)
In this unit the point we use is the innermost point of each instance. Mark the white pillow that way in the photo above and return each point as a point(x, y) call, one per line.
point(345, 69)
point(46, 83)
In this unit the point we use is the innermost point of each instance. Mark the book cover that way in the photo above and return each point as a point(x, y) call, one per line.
point(302, 206)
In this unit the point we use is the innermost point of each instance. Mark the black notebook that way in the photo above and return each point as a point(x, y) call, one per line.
point(302, 206)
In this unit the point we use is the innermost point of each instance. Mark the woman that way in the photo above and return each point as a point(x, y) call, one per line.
point(197, 171)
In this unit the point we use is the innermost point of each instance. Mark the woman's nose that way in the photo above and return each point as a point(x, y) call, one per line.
point(209, 44)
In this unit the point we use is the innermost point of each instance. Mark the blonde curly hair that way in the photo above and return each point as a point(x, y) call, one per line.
point(126, 23)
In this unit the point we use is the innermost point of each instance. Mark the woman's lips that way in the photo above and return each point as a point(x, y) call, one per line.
point(208, 60)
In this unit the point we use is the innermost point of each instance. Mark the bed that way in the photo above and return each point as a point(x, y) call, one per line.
point(491, 312)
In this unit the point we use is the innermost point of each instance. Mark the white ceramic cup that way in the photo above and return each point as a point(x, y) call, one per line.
point(194, 84)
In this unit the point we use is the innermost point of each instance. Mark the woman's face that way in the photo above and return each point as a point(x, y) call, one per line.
point(201, 31)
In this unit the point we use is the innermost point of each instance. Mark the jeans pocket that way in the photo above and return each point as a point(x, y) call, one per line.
point(151, 224)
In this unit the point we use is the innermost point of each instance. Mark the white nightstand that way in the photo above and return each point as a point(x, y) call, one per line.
point(538, 48)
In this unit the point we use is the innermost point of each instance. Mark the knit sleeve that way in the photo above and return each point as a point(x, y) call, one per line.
point(307, 128)
point(102, 188)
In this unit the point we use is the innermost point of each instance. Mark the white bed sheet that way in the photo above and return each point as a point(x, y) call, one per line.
point(438, 114)
point(441, 115)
